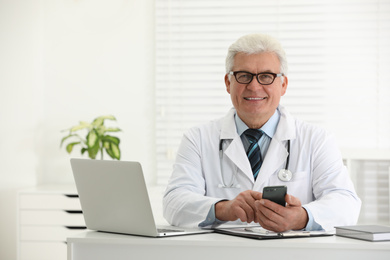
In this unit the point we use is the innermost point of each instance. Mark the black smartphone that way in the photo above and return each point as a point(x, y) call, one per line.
point(276, 194)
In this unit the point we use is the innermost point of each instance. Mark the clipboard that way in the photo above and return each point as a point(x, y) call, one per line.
point(256, 232)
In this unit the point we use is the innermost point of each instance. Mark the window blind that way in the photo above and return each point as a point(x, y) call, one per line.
point(338, 58)
point(372, 184)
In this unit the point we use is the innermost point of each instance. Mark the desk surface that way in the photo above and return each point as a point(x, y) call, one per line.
point(99, 245)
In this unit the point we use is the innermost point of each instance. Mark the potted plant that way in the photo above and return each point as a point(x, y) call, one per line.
point(96, 140)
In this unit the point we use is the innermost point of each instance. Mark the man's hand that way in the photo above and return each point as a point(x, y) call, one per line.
point(242, 207)
point(277, 218)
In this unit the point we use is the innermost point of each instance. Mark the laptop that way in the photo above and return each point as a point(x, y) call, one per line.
point(114, 198)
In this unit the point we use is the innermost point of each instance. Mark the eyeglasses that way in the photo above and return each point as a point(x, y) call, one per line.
point(264, 78)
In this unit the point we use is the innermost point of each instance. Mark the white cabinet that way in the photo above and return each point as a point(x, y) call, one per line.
point(47, 215)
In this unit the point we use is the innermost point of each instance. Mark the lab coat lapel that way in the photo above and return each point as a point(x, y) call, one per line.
point(274, 159)
point(235, 151)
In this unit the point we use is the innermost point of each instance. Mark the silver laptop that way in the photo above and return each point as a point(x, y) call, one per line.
point(114, 198)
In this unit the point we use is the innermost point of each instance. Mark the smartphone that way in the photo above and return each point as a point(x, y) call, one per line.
point(276, 194)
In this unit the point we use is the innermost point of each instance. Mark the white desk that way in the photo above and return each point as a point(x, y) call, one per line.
point(93, 245)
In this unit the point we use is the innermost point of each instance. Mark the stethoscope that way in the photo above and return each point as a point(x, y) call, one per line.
point(283, 175)
point(232, 183)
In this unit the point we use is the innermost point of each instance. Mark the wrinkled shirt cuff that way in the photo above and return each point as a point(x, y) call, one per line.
point(311, 224)
point(211, 220)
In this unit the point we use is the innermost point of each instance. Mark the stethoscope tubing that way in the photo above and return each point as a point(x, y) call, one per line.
point(288, 155)
point(285, 170)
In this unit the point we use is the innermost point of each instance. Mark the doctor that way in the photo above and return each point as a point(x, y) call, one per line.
point(213, 181)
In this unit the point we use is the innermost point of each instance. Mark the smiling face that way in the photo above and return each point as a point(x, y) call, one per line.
point(256, 103)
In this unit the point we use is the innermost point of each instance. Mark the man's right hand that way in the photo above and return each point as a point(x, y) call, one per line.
point(242, 207)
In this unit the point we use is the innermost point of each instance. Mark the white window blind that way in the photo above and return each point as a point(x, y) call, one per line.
point(372, 184)
point(338, 53)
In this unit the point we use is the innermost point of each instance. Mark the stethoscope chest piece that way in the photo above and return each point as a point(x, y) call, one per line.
point(285, 175)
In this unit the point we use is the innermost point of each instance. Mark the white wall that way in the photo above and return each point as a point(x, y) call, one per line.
point(61, 62)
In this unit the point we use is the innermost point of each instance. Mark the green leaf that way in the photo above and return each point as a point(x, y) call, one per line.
point(111, 145)
point(106, 144)
point(92, 139)
point(100, 130)
point(113, 151)
point(116, 151)
point(113, 129)
point(82, 125)
point(93, 151)
point(66, 137)
point(69, 147)
point(83, 150)
point(108, 150)
point(100, 120)
point(111, 139)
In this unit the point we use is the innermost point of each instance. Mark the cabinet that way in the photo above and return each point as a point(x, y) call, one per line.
point(47, 215)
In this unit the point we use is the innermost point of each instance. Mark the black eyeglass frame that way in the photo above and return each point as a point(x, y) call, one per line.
point(234, 73)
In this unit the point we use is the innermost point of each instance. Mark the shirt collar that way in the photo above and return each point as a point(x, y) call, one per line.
point(269, 128)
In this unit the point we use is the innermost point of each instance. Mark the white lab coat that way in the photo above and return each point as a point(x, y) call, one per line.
point(320, 180)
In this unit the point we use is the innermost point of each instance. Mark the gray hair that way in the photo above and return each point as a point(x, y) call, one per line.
point(253, 44)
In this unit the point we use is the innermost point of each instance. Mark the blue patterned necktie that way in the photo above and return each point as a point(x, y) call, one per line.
point(253, 151)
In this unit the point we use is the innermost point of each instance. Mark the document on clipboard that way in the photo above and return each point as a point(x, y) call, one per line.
point(257, 232)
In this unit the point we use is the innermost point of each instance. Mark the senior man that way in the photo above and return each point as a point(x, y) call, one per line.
point(222, 166)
